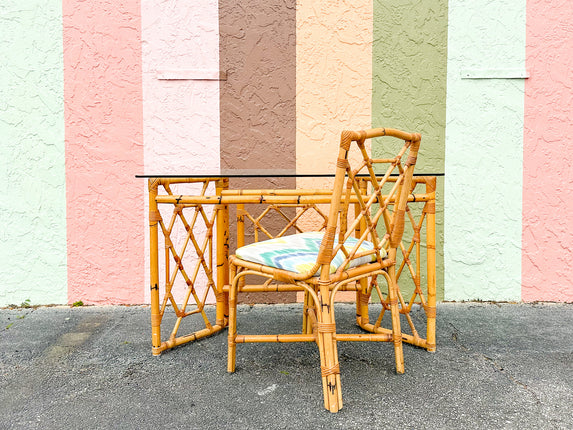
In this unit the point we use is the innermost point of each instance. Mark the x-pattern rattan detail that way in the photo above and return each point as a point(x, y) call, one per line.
point(291, 222)
point(388, 207)
point(413, 268)
point(409, 251)
point(201, 261)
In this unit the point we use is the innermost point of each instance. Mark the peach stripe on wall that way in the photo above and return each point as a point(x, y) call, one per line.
point(333, 84)
point(548, 177)
point(333, 78)
point(103, 128)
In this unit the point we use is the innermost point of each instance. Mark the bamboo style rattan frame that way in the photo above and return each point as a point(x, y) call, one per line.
point(161, 195)
point(319, 322)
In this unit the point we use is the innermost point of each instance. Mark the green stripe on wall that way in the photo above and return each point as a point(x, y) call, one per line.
point(32, 208)
point(409, 86)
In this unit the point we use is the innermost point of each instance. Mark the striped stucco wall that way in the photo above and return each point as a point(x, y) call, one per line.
point(93, 93)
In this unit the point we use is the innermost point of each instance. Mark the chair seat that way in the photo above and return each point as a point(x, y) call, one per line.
point(298, 252)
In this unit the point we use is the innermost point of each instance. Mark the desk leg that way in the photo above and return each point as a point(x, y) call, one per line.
point(431, 267)
point(154, 218)
point(222, 257)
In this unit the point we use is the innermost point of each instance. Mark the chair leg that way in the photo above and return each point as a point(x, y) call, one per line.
point(306, 321)
point(232, 334)
point(395, 312)
point(362, 301)
point(330, 368)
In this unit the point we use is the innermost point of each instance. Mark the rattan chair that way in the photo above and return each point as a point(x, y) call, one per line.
point(351, 250)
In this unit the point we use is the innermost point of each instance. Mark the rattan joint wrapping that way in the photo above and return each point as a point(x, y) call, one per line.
point(326, 327)
point(411, 160)
point(430, 311)
point(327, 371)
point(430, 207)
point(342, 162)
point(156, 320)
point(155, 216)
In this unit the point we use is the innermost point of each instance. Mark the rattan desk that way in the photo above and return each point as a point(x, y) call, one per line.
point(206, 208)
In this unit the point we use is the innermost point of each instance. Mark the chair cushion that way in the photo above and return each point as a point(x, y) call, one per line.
point(298, 252)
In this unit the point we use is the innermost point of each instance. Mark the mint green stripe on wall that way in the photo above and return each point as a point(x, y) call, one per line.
point(32, 208)
point(484, 145)
point(409, 88)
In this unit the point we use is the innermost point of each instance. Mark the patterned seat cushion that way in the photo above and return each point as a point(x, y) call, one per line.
point(297, 253)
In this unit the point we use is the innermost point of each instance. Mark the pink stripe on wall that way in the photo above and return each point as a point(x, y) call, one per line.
point(180, 57)
point(548, 154)
point(103, 127)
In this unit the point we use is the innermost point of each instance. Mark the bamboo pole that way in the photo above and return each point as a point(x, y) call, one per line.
point(278, 288)
point(154, 217)
point(222, 298)
point(263, 199)
point(395, 313)
point(274, 338)
point(362, 298)
point(240, 225)
point(232, 330)
point(200, 334)
point(430, 209)
point(281, 192)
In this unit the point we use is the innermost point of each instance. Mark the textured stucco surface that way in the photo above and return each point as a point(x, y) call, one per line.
point(104, 150)
point(297, 75)
point(548, 176)
point(33, 207)
point(333, 80)
point(257, 50)
point(409, 86)
point(484, 135)
point(181, 116)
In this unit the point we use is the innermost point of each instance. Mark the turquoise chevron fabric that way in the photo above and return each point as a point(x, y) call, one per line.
point(297, 253)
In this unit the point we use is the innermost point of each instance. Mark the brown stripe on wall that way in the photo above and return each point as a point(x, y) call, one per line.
point(257, 50)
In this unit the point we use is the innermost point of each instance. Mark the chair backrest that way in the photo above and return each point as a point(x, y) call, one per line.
point(390, 183)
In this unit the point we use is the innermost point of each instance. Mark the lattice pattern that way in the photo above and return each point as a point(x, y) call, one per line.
point(291, 222)
point(188, 256)
point(410, 272)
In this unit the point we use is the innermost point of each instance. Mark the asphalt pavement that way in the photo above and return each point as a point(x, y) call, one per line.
point(497, 365)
